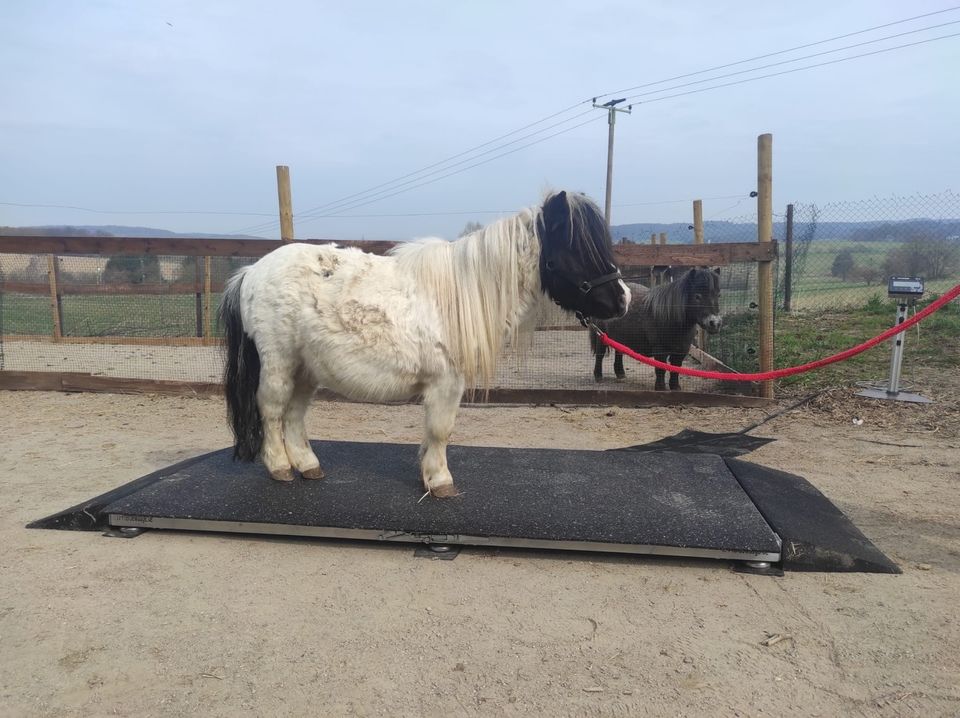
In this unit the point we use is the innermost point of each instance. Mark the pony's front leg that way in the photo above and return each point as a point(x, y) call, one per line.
point(441, 401)
point(660, 384)
point(674, 376)
point(598, 364)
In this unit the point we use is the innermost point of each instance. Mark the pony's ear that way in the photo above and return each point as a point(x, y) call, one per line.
point(556, 210)
point(716, 270)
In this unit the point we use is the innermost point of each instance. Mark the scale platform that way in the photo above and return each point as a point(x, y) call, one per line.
point(620, 501)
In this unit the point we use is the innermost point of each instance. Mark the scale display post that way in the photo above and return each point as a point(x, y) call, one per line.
point(906, 290)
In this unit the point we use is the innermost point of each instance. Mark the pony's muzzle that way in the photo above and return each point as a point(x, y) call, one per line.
point(712, 323)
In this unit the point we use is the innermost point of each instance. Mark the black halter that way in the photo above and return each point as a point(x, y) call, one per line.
point(587, 285)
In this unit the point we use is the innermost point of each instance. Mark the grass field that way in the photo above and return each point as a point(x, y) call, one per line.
point(95, 316)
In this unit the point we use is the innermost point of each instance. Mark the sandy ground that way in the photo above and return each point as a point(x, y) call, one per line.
point(187, 624)
point(554, 360)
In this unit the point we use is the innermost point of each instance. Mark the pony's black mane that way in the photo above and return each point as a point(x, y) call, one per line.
point(588, 237)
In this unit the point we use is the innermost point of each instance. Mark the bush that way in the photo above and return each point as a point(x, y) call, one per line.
point(132, 270)
point(922, 256)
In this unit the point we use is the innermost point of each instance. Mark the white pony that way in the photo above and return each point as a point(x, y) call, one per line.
point(429, 319)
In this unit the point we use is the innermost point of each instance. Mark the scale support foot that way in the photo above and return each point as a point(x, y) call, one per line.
point(758, 568)
point(126, 532)
point(438, 551)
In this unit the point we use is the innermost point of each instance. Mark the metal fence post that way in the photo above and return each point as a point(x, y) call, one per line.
point(56, 300)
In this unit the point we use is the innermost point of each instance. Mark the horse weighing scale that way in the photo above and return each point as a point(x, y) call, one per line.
point(625, 501)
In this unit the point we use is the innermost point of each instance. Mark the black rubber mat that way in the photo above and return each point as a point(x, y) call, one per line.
point(690, 441)
point(691, 502)
point(669, 500)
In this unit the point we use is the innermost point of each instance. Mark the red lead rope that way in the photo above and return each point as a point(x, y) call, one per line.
point(779, 373)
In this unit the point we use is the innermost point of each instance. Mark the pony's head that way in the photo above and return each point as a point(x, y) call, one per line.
point(577, 270)
point(702, 292)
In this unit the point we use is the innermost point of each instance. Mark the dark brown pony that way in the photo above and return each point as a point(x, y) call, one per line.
point(661, 322)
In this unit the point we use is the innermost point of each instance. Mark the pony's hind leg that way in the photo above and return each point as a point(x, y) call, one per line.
point(660, 383)
point(441, 401)
point(295, 439)
point(273, 397)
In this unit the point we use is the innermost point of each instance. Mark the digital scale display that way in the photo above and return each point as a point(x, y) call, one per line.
point(905, 287)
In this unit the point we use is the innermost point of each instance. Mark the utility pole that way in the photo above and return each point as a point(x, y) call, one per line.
point(612, 110)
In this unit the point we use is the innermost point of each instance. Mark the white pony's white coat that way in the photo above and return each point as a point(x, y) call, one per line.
point(428, 319)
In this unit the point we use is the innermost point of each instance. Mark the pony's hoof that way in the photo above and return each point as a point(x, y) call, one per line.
point(282, 475)
point(314, 473)
point(621, 377)
point(444, 491)
point(598, 379)
point(660, 387)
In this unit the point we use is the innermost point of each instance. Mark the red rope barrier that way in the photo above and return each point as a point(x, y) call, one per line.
point(789, 371)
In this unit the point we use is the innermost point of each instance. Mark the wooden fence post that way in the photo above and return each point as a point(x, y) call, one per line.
point(208, 308)
point(765, 269)
point(698, 221)
point(286, 203)
point(698, 239)
point(788, 263)
point(56, 301)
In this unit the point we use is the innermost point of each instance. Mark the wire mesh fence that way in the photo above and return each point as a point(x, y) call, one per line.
point(843, 253)
point(153, 317)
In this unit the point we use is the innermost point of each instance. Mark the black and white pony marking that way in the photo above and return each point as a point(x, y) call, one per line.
point(427, 320)
point(661, 322)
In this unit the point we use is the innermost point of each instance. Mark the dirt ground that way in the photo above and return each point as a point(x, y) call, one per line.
point(175, 624)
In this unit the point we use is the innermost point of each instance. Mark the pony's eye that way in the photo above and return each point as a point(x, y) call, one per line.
point(549, 265)
point(697, 297)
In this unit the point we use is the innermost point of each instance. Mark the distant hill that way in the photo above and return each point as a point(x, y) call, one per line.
point(718, 232)
point(110, 230)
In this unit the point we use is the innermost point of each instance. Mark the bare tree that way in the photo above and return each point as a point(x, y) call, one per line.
point(470, 228)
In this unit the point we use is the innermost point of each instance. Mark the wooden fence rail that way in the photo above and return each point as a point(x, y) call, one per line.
point(626, 254)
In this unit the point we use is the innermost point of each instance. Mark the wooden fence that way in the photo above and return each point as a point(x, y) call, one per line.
point(633, 259)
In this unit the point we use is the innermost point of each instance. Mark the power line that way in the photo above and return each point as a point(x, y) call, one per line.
point(798, 69)
point(796, 59)
point(780, 52)
point(148, 212)
point(464, 169)
point(460, 154)
point(333, 205)
point(337, 206)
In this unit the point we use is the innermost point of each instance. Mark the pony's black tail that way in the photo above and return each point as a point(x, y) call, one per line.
point(241, 375)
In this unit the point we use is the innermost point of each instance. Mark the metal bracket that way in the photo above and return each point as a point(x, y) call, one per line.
point(127, 532)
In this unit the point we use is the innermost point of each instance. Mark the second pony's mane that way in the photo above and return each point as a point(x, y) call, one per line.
point(667, 303)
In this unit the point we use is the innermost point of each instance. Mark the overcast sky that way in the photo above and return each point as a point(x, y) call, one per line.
point(176, 105)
